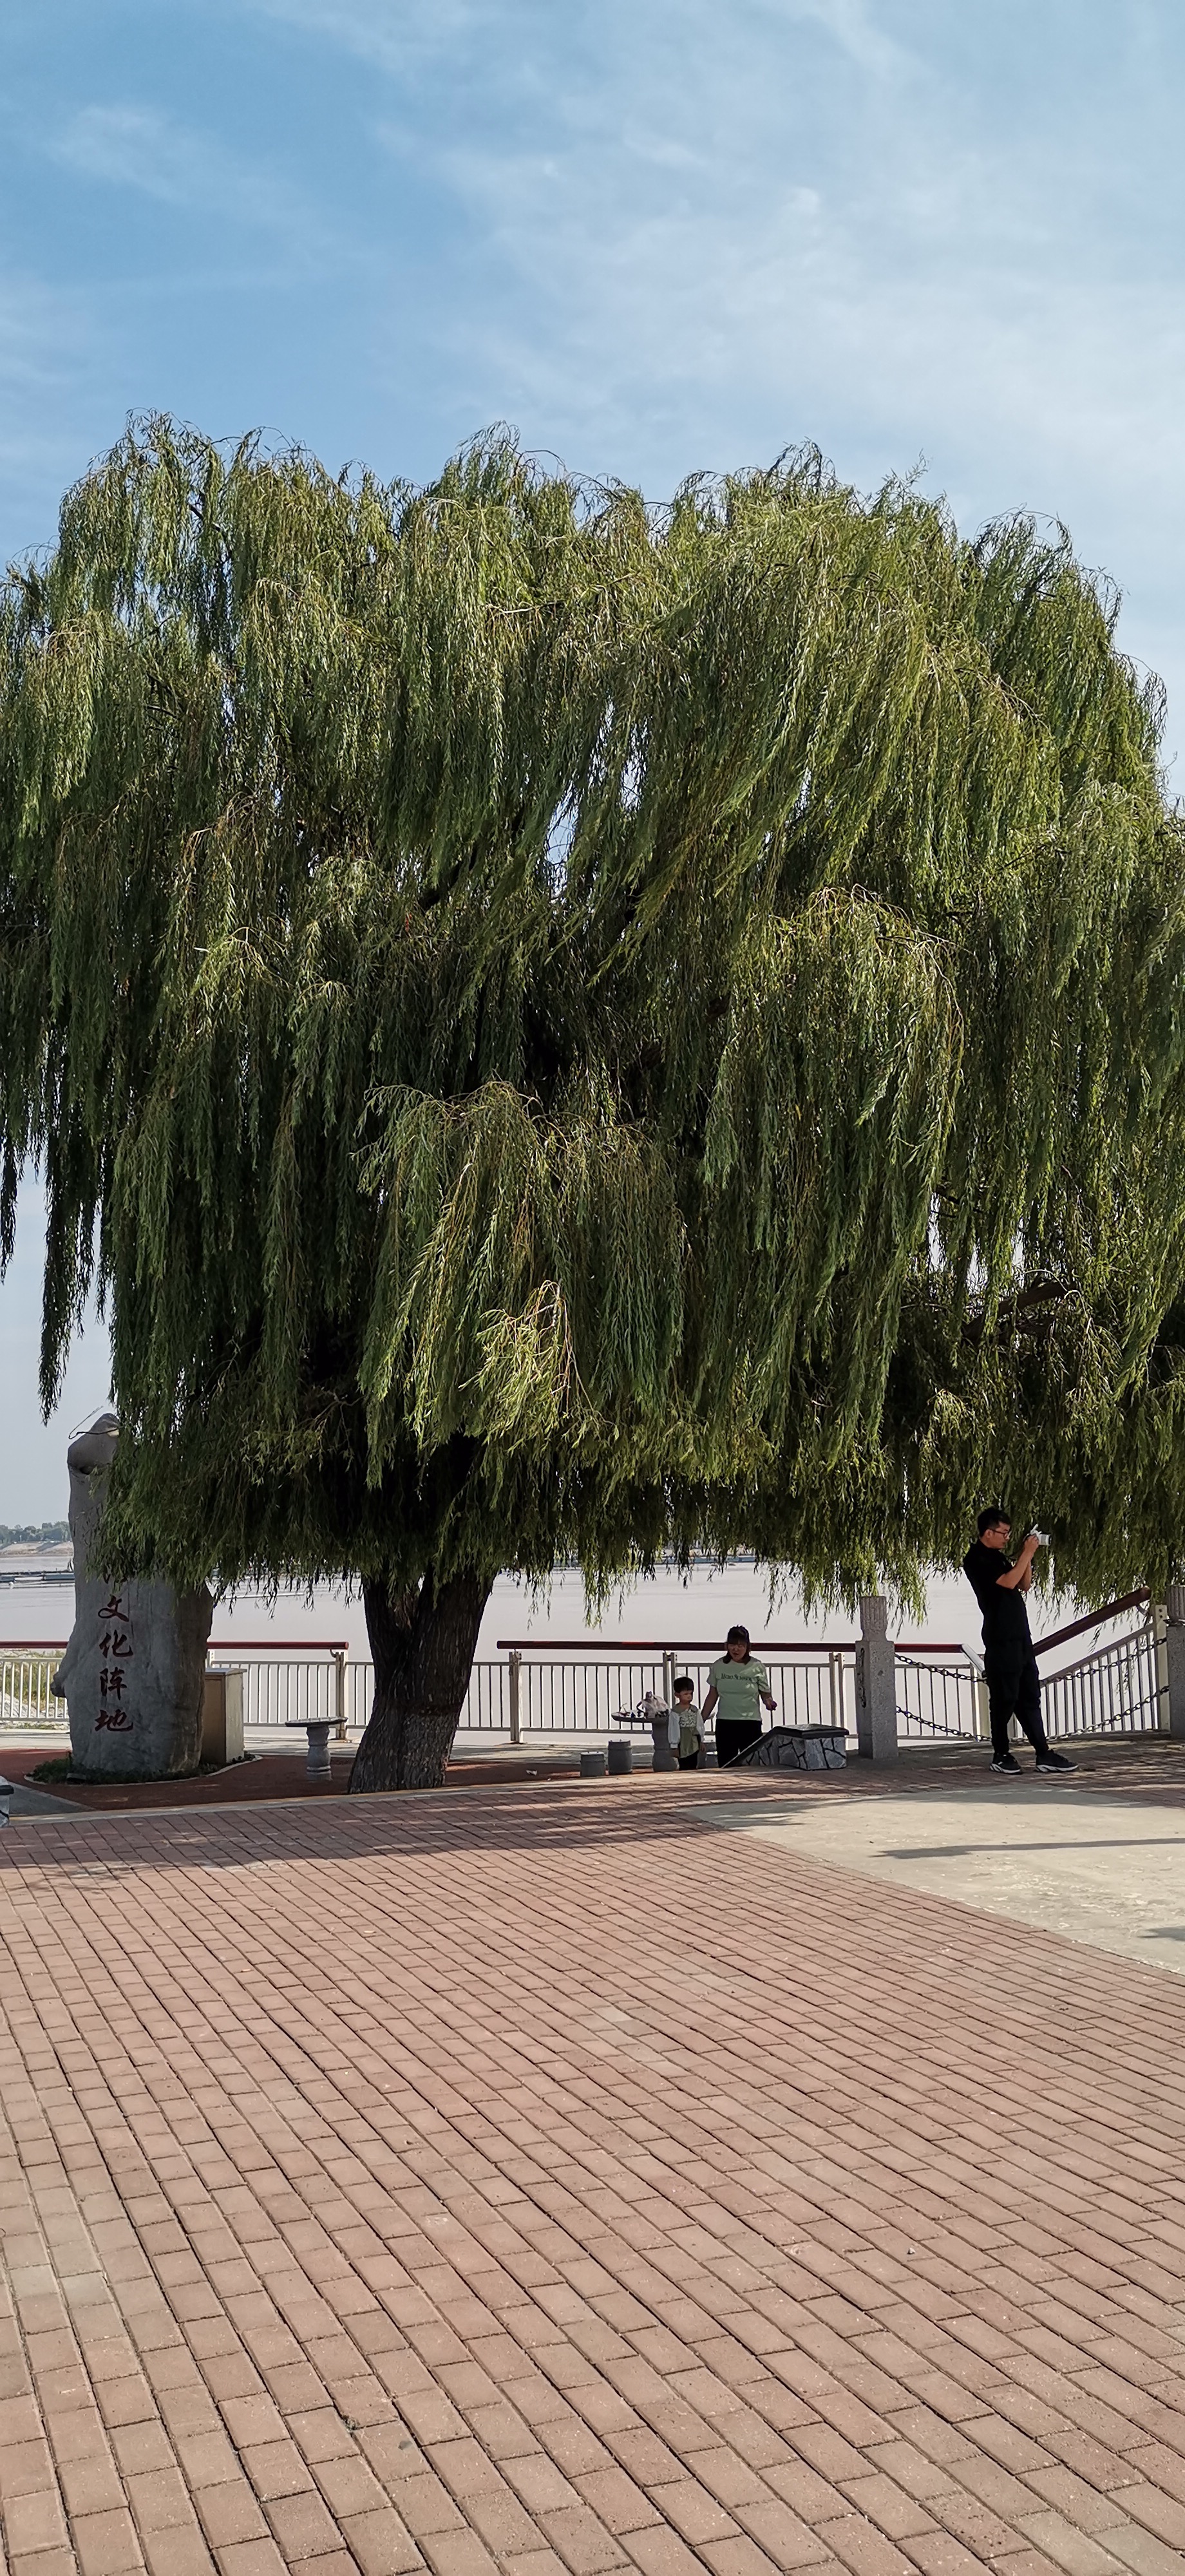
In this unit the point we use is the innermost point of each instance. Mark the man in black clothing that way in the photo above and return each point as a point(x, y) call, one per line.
point(1010, 1666)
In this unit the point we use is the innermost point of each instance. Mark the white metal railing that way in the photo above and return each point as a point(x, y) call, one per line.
point(486, 1708)
point(280, 1688)
point(289, 1688)
point(25, 1696)
point(582, 1688)
point(291, 1685)
point(573, 1693)
point(1121, 1689)
point(563, 1694)
point(567, 1695)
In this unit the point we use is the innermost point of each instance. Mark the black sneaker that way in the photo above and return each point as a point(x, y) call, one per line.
point(1006, 1762)
point(1051, 1761)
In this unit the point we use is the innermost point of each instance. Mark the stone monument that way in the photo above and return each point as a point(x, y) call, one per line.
point(132, 1675)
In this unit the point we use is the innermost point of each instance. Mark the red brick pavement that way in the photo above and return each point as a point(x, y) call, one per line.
point(264, 1776)
point(1152, 1764)
point(543, 2181)
point(267, 1775)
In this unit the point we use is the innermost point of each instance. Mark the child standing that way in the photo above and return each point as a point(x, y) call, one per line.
point(686, 1731)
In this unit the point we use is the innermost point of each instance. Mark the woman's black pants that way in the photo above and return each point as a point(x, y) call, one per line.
point(732, 1735)
point(1014, 1690)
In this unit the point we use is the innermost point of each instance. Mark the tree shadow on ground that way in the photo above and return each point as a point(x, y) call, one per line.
point(543, 1817)
point(540, 1815)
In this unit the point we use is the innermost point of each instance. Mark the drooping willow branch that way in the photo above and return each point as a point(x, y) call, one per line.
point(562, 1030)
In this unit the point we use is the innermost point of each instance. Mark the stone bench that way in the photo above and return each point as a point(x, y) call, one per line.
point(318, 1731)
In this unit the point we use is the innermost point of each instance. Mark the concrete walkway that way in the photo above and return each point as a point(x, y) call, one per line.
point(547, 2180)
point(36, 1802)
point(1105, 1869)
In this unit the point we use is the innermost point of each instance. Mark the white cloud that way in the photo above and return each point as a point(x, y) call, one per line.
point(399, 34)
point(661, 234)
point(32, 318)
point(394, 35)
point(855, 30)
point(142, 149)
point(695, 236)
point(46, 338)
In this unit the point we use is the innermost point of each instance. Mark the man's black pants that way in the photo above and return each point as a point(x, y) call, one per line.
point(1014, 1690)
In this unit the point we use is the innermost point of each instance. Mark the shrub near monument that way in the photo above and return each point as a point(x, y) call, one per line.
point(565, 1030)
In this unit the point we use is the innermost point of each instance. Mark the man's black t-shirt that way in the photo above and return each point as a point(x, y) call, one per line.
point(1005, 1618)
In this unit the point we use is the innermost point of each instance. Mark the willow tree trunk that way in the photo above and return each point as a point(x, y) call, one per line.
point(422, 1642)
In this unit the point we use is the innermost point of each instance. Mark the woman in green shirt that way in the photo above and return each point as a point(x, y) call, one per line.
point(739, 1682)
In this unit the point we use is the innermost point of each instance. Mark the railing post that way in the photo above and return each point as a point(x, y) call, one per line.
point(981, 1705)
point(340, 1692)
point(876, 1683)
point(835, 1675)
point(516, 1670)
point(668, 1675)
point(1159, 1620)
point(1174, 1656)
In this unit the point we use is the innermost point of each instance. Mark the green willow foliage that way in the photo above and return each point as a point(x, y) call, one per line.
point(565, 1030)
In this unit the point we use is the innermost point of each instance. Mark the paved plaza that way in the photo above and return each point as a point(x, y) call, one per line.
point(573, 2177)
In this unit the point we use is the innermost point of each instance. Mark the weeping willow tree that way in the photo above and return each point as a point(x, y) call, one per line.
point(560, 1031)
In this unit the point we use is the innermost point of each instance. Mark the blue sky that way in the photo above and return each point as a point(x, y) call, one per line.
point(655, 236)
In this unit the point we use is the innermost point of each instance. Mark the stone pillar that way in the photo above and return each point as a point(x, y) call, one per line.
point(1174, 1658)
point(133, 1672)
point(876, 1683)
point(665, 1756)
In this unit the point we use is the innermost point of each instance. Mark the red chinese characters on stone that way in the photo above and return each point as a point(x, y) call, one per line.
point(115, 1639)
point(115, 1647)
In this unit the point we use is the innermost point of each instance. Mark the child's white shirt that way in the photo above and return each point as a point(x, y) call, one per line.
point(679, 1718)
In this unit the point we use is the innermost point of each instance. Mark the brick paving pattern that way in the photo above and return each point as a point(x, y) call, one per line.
point(544, 2181)
point(267, 1775)
point(1152, 1764)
